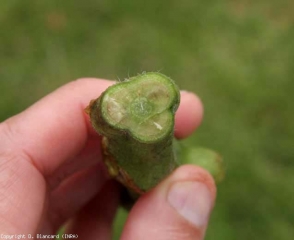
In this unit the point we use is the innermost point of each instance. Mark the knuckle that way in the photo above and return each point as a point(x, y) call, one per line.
point(81, 81)
point(7, 169)
point(6, 132)
point(11, 150)
point(78, 84)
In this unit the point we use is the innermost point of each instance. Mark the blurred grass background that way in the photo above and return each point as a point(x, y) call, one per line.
point(238, 56)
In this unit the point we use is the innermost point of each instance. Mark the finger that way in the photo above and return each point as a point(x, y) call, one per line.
point(178, 208)
point(90, 156)
point(39, 140)
point(74, 193)
point(54, 129)
point(95, 220)
point(188, 115)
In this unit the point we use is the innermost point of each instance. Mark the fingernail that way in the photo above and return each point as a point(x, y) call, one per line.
point(192, 200)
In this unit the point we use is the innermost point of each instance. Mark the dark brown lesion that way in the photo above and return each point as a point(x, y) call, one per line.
point(89, 107)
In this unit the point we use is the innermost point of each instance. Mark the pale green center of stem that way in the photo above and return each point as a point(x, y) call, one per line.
point(141, 107)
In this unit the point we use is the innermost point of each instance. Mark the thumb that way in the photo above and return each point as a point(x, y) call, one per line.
point(178, 208)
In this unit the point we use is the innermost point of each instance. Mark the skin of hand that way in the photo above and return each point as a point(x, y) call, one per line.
point(51, 173)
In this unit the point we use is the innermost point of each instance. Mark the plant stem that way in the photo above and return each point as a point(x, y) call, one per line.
point(136, 118)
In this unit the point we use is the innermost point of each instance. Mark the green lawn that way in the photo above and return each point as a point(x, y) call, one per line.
point(238, 56)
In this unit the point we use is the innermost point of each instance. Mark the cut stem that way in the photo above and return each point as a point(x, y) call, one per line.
point(136, 118)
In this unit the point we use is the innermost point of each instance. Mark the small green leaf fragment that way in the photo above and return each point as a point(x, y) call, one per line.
point(205, 158)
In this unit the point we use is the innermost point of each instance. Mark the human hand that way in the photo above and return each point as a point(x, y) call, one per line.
point(51, 173)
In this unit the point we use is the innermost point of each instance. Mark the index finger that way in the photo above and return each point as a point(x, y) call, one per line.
point(55, 128)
